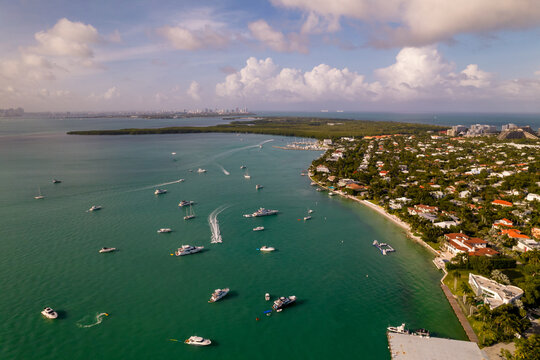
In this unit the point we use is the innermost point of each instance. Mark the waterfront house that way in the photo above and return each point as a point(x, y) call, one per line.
point(494, 294)
point(514, 234)
point(525, 245)
point(446, 224)
point(504, 222)
point(323, 169)
point(461, 243)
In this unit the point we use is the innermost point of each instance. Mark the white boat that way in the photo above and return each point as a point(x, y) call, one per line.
point(283, 301)
point(242, 167)
point(180, 180)
point(56, 181)
point(186, 203)
point(310, 211)
point(39, 196)
point(197, 341)
point(331, 194)
point(94, 208)
point(200, 171)
point(257, 187)
point(313, 183)
point(190, 214)
point(398, 329)
point(267, 297)
point(164, 230)
point(160, 191)
point(267, 249)
point(173, 153)
point(188, 249)
point(49, 313)
point(258, 228)
point(307, 218)
point(218, 294)
point(262, 212)
point(106, 249)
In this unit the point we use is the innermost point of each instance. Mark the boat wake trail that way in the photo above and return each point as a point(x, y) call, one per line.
point(214, 225)
point(156, 185)
point(232, 151)
point(223, 169)
point(98, 320)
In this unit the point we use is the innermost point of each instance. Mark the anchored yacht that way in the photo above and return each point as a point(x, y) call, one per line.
point(218, 294)
point(398, 329)
point(160, 191)
point(257, 187)
point(188, 249)
point(262, 212)
point(258, 228)
point(106, 249)
point(49, 313)
point(56, 181)
point(164, 230)
point(283, 302)
point(197, 341)
point(200, 171)
point(267, 248)
point(186, 203)
point(94, 208)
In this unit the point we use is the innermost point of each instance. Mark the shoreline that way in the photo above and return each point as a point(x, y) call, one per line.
point(462, 318)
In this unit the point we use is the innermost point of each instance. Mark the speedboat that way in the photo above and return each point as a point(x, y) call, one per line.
point(94, 208)
point(283, 302)
point(186, 203)
point(218, 294)
point(160, 191)
point(56, 181)
point(49, 313)
point(257, 187)
point(197, 341)
point(188, 249)
point(187, 217)
point(200, 171)
point(106, 249)
point(398, 329)
point(267, 248)
point(267, 297)
point(258, 228)
point(262, 212)
point(310, 211)
point(307, 217)
point(422, 333)
point(164, 230)
point(247, 176)
point(242, 167)
point(180, 180)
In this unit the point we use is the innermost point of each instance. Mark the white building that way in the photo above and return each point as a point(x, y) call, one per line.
point(494, 294)
point(532, 197)
point(526, 245)
point(323, 169)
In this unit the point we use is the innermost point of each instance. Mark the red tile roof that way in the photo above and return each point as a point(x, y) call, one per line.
point(502, 203)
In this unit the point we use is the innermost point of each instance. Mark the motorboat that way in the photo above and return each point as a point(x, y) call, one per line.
point(307, 217)
point(242, 167)
point(186, 203)
point(106, 249)
point(262, 212)
point(331, 194)
point(188, 217)
point(257, 187)
point(49, 313)
point(313, 183)
point(94, 208)
point(258, 228)
point(267, 248)
point(197, 341)
point(188, 249)
point(200, 171)
point(398, 329)
point(267, 297)
point(320, 189)
point(310, 211)
point(218, 294)
point(247, 176)
point(160, 191)
point(283, 301)
point(56, 181)
point(164, 230)
point(180, 180)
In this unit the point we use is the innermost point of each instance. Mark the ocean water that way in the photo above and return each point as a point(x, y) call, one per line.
point(348, 293)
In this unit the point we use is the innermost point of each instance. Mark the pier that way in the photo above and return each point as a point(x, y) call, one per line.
point(383, 247)
point(410, 347)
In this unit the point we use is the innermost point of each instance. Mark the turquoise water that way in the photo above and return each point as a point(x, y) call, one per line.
point(348, 293)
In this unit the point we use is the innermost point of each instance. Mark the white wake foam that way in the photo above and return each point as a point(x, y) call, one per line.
point(214, 225)
point(98, 320)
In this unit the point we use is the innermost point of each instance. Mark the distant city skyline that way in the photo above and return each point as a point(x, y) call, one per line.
point(292, 55)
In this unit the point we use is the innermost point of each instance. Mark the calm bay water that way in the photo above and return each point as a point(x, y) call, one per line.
point(348, 292)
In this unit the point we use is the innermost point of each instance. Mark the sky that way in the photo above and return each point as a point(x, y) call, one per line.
point(291, 55)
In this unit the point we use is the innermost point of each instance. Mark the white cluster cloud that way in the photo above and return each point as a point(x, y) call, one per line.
point(109, 94)
point(67, 38)
point(417, 74)
point(276, 40)
point(423, 22)
point(194, 91)
point(182, 38)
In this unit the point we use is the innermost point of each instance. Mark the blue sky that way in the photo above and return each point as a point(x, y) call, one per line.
point(353, 55)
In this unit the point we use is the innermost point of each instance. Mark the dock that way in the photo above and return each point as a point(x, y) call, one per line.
point(410, 347)
point(383, 247)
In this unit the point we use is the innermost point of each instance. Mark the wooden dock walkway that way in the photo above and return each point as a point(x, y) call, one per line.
point(460, 315)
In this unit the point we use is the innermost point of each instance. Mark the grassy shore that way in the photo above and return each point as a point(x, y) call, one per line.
point(287, 126)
